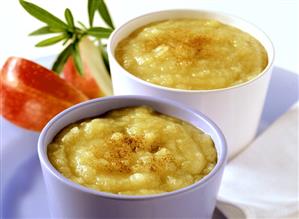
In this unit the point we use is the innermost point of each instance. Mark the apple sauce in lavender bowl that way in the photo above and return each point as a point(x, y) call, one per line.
point(162, 160)
point(134, 151)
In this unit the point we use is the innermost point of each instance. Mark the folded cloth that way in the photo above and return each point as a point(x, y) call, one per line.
point(262, 181)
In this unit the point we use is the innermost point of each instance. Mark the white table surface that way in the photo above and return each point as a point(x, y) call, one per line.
point(278, 18)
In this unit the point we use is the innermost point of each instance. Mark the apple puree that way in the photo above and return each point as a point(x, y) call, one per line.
point(134, 151)
point(192, 54)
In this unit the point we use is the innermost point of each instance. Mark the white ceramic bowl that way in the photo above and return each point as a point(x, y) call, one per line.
point(70, 200)
point(236, 110)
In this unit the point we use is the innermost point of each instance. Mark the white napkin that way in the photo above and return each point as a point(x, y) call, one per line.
point(262, 181)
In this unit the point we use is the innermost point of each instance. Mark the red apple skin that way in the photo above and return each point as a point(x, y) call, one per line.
point(31, 94)
point(85, 83)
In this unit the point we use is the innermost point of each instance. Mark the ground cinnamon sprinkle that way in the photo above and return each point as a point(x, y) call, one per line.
point(133, 151)
point(192, 54)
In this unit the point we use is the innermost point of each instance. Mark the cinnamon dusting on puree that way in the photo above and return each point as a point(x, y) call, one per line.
point(192, 54)
point(134, 151)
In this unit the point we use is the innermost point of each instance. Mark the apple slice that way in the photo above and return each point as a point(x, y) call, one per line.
point(96, 81)
point(85, 83)
point(31, 94)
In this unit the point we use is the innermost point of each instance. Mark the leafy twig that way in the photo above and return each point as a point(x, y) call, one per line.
point(68, 32)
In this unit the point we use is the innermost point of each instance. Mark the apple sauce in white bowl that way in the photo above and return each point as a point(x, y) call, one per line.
point(192, 54)
point(224, 74)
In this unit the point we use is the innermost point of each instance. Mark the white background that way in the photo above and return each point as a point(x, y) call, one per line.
point(278, 18)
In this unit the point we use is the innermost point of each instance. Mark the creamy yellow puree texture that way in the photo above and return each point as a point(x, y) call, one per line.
point(192, 54)
point(134, 151)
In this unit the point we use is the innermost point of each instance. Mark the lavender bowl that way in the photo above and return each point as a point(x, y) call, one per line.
point(70, 200)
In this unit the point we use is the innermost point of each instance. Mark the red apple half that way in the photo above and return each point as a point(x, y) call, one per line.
point(31, 94)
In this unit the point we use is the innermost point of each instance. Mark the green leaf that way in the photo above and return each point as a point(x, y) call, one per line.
point(65, 41)
point(51, 41)
point(82, 25)
point(62, 58)
point(99, 32)
point(69, 17)
point(46, 30)
point(105, 13)
point(92, 7)
point(77, 58)
point(43, 15)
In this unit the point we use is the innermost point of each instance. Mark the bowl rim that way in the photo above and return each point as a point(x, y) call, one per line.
point(267, 69)
point(45, 163)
